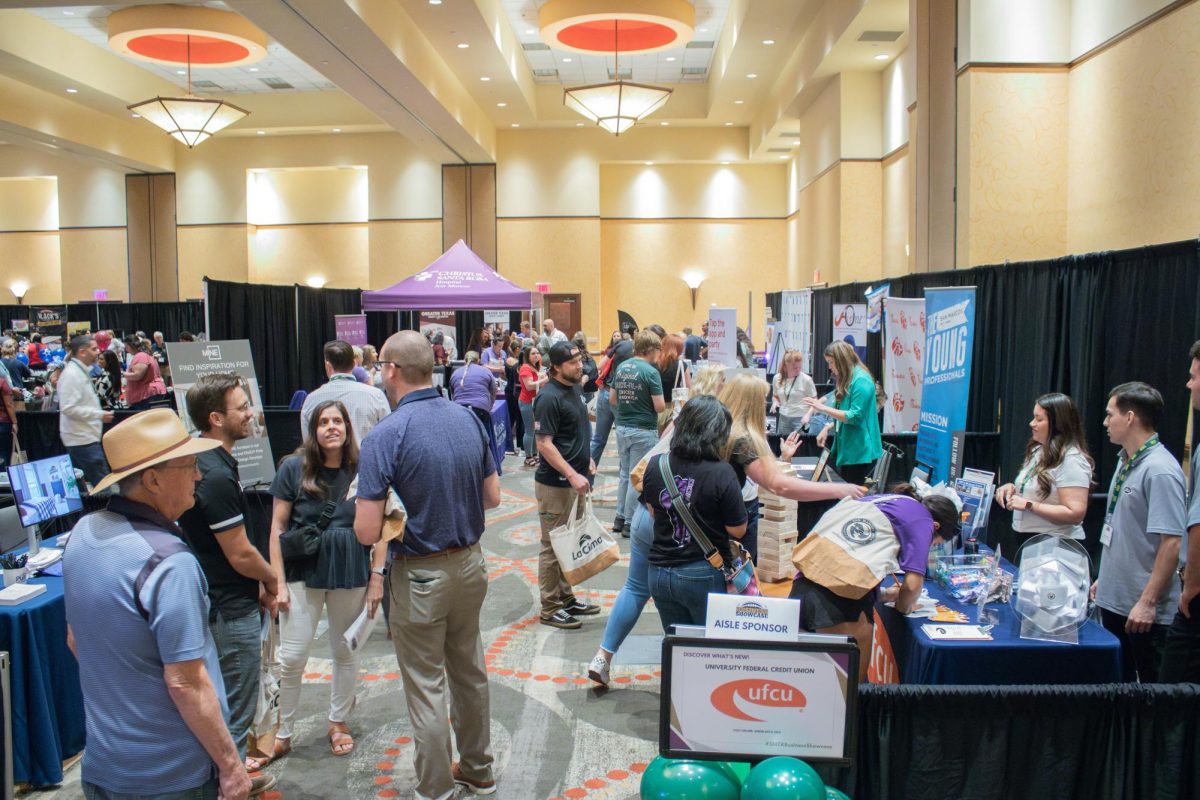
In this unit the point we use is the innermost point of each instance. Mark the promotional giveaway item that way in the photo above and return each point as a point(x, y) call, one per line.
point(949, 340)
point(583, 545)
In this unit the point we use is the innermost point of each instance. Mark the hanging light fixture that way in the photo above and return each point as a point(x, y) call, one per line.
point(603, 26)
point(175, 35)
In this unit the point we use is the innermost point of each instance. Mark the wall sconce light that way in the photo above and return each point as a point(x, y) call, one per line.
point(316, 281)
point(693, 279)
point(19, 290)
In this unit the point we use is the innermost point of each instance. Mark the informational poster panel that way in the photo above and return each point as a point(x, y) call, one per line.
point(875, 299)
point(51, 323)
point(495, 318)
point(796, 324)
point(904, 369)
point(949, 342)
point(748, 700)
point(441, 322)
point(351, 328)
point(850, 325)
point(192, 360)
point(722, 336)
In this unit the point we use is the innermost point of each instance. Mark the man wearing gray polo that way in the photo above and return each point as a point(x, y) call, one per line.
point(1181, 656)
point(1137, 590)
point(366, 404)
point(434, 453)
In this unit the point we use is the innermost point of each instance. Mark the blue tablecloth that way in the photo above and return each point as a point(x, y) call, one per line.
point(501, 439)
point(48, 722)
point(1007, 659)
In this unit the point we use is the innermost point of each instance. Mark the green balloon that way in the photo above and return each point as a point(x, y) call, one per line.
point(741, 769)
point(680, 779)
point(783, 778)
point(835, 794)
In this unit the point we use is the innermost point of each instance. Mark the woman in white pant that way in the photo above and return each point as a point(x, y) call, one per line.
point(310, 489)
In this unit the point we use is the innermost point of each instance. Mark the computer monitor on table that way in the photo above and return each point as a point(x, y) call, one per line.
point(44, 490)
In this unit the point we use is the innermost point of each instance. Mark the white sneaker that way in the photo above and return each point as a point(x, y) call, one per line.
point(598, 669)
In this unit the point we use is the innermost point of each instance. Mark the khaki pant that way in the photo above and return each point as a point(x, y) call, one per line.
point(554, 509)
point(435, 628)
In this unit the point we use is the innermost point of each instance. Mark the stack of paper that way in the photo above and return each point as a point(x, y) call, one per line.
point(20, 592)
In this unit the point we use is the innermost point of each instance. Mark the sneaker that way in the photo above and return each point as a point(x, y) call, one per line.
point(579, 609)
point(472, 786)
point(618, 524)
point(260, 783)
point(562, 619)
point(626, 531)
point(598, 669)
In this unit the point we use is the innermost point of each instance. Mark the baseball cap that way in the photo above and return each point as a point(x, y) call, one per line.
point(562, 352)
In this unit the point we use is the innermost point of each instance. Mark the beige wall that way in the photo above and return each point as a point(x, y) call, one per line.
point(29, 204)
point(562, 252)
point(401, 248)
point(219, 252)
point(862, 222)
point(814, 232)
point(307, 195)
point(896, 179)
point(715, 191)
point(91, 259)
point(33, 259)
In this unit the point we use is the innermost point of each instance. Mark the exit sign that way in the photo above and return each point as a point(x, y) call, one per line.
point(542, 287)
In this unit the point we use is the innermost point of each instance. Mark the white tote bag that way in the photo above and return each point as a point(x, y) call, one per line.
point(583, 545)
point(266, 716)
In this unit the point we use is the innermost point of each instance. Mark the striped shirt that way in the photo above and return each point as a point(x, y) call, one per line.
point(366, 404)
point(137, 741)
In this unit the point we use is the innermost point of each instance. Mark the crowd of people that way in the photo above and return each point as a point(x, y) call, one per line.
point(168, 626)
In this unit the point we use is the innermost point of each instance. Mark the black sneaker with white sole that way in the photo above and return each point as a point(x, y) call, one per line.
point(580, 609)
point(562, 619)
point(618, 524)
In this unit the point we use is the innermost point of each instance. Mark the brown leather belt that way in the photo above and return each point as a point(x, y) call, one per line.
point(451, 551)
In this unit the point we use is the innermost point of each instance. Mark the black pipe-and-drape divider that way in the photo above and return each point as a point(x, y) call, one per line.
point(170, 318)
point(1078, 324)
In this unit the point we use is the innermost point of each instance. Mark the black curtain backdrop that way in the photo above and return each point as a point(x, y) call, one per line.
point(1079, 325)
point(316, 309)
point(266, 315)
point(170, 318)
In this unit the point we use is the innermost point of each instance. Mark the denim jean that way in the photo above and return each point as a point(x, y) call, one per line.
point(681, 593)
point(632, 444)
point(206, 791)
point(527, 420)
point(6, 443)
point(1181, 653)
point(89, 458)
point(636, 590)
point(239, 646)
point(750, 539)
point(604, 423)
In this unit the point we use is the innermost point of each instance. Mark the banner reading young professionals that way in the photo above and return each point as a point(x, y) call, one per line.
point(796, 323)
point(192, 360)
point(351, 328)
point(949, 340)
point(722, 336)
point(904, 369)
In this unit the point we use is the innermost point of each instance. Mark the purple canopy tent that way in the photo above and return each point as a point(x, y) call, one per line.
point(458, 279)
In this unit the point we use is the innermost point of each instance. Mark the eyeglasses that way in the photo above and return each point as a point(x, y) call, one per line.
point(243, 408)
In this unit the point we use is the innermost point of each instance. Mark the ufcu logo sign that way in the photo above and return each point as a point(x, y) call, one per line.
point(760, 692)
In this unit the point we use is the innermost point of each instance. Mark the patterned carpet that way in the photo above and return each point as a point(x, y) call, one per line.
point(553, 735)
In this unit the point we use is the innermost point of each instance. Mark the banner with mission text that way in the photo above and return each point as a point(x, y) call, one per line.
point(904, 369)
point(949, 341)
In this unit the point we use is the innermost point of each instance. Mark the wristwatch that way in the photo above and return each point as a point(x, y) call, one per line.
point(381, 571)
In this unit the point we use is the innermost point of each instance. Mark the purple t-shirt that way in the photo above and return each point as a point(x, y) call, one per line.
point(913, 525)
point(473, 385)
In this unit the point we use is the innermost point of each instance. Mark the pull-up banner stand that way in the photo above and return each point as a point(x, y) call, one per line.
point(949, 342)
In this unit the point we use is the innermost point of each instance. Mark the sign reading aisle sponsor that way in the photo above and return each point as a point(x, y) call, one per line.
point(732, 616)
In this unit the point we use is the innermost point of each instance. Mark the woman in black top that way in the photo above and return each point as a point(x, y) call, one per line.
point(512, 387)
point(680, 577)
point(340, 577)
point(108, 382)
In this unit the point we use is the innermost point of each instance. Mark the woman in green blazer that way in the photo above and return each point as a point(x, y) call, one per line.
point(856, 442)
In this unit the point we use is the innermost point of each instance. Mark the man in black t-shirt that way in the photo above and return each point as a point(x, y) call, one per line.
point(238, 576)
point(560, 424)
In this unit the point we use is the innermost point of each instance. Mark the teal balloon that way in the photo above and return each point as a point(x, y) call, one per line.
point(741, 769)
point(783, 778)
point(835, 794)
point(680, 779)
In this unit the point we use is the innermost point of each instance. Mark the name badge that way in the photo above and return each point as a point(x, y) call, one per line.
point(1018, 516)
point(1106, 532)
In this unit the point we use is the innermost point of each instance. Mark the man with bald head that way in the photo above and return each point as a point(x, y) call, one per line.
point(434, 453)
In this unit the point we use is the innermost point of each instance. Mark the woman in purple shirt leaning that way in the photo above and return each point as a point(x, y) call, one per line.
point(857, 544)
point(474, 386)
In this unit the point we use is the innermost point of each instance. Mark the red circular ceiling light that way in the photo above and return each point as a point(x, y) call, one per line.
point(626, 26)
point(164, 34)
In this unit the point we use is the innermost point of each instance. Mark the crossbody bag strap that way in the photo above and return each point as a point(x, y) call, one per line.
point(680, 506)
point(335, 499)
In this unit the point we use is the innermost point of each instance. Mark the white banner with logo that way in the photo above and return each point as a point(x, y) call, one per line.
point(722, 336)
point(796, 323)
point(850, 325)
point(904, 369)
point(192, 360)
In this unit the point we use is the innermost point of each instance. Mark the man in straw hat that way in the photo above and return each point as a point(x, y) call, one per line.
point(137, 614)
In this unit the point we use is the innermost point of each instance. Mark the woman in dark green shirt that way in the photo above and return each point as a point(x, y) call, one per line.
point(856, 442)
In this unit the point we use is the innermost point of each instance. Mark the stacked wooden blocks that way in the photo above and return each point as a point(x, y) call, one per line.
point(776, 536)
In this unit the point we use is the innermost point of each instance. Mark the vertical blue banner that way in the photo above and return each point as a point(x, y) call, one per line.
point(949, 342)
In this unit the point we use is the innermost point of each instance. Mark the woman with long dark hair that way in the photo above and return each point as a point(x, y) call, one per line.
point(108, 382)
point(1050, 493)
point(512, 388)
point(312, 487)
point(531, 380)
point(855, 426)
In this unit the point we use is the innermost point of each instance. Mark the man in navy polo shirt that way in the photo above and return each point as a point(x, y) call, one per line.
point(434, 453)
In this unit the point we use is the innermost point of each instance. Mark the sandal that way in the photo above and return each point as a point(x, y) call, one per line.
point(341, 743)
point(281, 749)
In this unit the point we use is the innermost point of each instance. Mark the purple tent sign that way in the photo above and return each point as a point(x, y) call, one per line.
point(351, 328)
point(458, 279)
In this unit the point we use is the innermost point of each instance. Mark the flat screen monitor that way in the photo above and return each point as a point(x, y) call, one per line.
point(725, 699)
point(44, 489)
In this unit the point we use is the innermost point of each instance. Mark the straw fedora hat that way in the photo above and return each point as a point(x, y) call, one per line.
point(146, 439)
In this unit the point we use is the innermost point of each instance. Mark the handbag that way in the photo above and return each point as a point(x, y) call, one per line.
point(583, 546)
point(298, 544)
point(261, 742)
point(740, 578)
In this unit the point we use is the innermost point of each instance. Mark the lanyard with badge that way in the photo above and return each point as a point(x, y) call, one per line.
point(1106, 532)
point(1023, 478)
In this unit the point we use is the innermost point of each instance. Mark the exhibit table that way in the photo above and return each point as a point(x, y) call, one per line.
point(1006, 659)
point(48, 724)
